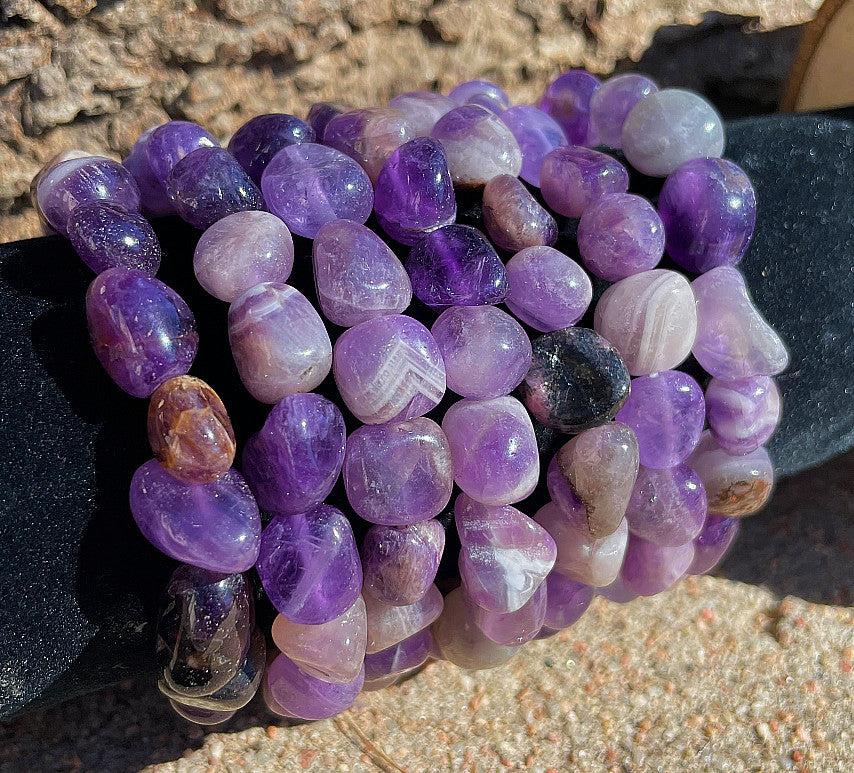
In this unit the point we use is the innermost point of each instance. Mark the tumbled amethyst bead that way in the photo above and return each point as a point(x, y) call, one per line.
point(513, 629)
point(612, 102)
point(368, 135)
point(389, 624)
point(566, 601)
point(214, 525)
point(320, 114)
point(567, 100)
point(422, 109)
point(713, 542)
point(480, 92)
point(169, 143)
point(413, 194)
point(309, 565)
point(293, 462)
point(667, 413)
point(152, 193)
point(308, 185)
point(142, 331)
point(261, 137)
point(537, 134)
point(513, 218)
point(649, 568)
point(399, 658)
point(742, 414)
point(455, 265)
point(572, 178)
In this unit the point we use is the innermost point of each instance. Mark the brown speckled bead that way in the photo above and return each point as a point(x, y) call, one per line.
point(513, 217)
point(189, 430)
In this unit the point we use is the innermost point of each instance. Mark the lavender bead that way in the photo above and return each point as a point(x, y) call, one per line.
point(398, 473)
point(388, 369)
point(650, 568)
point(743, 414)
point(356, 275)
point(107, 235)
point(456, 266)
point(486, 351)
point(480, 92)
point(548, 290)
point(537, 134)
point(152, 193)
point(171, 142)
point(214, 526)
point(320, 114)
point(422, 109)
point(309, 565)
point(142, 331)
point(668, 128)
point(493, 448)
point(293, 462)
point(667, 413)
point(618, 592)
point(261, 137)
point(308, 185)
point(399, 658)
point(734, 340)
point(620, 234)
point(566, 601)
point(389, 624)
point(278, 341)
point(369, 135)
point(413, 194)
point(572, 178)
point(243, 250)
point(611, 104)
point(567, 100)
point(714, 541)
point(514, 628)
point(513, 218)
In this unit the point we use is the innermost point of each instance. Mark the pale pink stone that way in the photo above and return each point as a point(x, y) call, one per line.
point(389, 624)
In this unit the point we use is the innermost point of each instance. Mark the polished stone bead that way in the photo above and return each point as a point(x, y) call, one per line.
point(513, 218)
point(455, 265)
point(611, 104)
point(356, 275)
point(243, 250)
point(142, 331)
point(388, 369)
point(261, 137)
point(576, 381)
point(400, 658)
point(308, 185)
point(504, 555)
point(486, 352)
point(548, 290)
point(668, 128)
point(214, 526)
point(714, 541)
point(320, 114)
point(493, 448)
point(200, 716)
point(171, 142)
point(49, 166)
point(620, 234)
point(480, 92)
point(478, 145)
point(189, 430)
point(293, 462)
point(735, 486)
point(422, 109)
point(572, 178)
point(514, 628)
point(309, 565)
point(743, 414)
point(208, 184)
point(566, 601)
point(649, 568)
point(617, 592)
point(389, 624)
point(668, 507)
point(567, 100)
point(734, 340)
point(667, 413)
point(152, 193)
point(413, 194)
point(709, 211)
point(368, 135)
point(399, 563)
point(333, 651)
point(537, 134)
point(398, 473)
point(651, 319)
point(107, 235)
point(279, 342)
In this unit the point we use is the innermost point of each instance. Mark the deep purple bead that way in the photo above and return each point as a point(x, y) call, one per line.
point(714, 541)
point(152, 193)
point(566, 601)
point(611, 104)
point(572, 178)
point(537, 134)
point(567, 100)
point(480, 92)
point(261, 137)
point(399, 658)
point(169, 143)
point(320, 114)
point(743, 414)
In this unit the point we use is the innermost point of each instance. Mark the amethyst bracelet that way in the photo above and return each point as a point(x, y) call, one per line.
point(648, 485)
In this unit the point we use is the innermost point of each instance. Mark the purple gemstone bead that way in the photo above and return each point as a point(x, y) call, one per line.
point(84, 180)
point(667, 413)
point(572, 178)
point(650, 568)
point(513, 218)
point(486, 352)
point(611, 104)
point(714, 541)
point(107, 235)
point(567, 100)
point(400, 562)
point(369, 135)
point(388, 369)
point(171, 142)
point(308, 185)
point(309, 565)
point(566, 601)
point(537, 133)
point(422, 109)
point(51, 164)
point(399, 658)
point(215, 525)
point(620, 234)
point(618, 592)
point(456, 266)
point(389, 624)
point(480, 92)
point(152, 193)
point(398, 473)
point(514, 628)
point(413, 193)
point(743, 414)
point(142, 331)
point(261, 137)
point(548, 290)
point(320, 114)
point(293, 462)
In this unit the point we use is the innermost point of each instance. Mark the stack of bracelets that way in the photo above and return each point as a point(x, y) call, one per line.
point(640, 495)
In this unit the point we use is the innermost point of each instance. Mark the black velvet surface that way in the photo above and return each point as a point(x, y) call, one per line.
point(79, 587)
